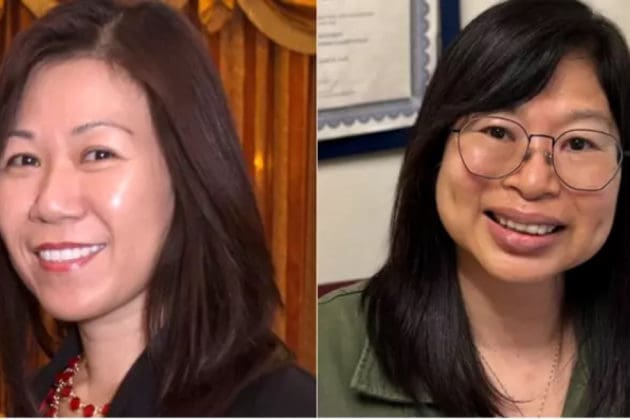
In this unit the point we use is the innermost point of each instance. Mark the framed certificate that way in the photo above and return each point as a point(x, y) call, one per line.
point(374, 60)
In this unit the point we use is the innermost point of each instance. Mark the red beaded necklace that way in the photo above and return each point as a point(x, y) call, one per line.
point(62, 389)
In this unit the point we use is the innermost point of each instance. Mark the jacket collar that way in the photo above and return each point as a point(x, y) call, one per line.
point(136, 396)
point(370, 380)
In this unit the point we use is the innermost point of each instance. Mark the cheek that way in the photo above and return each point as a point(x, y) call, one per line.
point(133, 190)
point(16, 200)
point(112, 193)
point(457, 192)
point(596, 214)
point(133, 198)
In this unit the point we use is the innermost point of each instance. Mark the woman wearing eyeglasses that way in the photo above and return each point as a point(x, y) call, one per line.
point(506, 289)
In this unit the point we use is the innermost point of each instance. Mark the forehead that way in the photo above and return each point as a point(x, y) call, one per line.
point(576, 77)
point(80, 89)
point(574, 89)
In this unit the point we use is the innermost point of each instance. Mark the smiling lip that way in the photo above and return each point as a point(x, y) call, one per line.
point(526, 218)
point(520, 243)
point(67, 264)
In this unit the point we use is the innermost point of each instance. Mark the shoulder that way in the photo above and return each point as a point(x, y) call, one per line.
point(288, 391)
point(341, 337)
point(340, 314)
point(343, 304)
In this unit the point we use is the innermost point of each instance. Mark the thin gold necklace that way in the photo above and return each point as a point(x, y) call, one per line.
point(552, 376)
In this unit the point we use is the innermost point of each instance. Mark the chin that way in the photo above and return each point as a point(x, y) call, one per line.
point(523, 271)
point(68, 314)
point(68, 309)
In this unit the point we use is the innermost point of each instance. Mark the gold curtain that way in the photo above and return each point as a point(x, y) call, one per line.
point(264, 50)
point(289, 23)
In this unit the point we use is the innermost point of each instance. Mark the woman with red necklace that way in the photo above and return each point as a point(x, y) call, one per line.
point(126, 215)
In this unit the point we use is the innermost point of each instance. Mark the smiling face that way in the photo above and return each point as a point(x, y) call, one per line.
point(85, 195)
point(500, 227)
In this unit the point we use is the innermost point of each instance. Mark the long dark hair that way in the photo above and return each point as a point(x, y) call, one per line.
point(415, 312)
point(212, 297)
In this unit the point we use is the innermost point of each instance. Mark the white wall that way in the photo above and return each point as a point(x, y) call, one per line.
point(354, 202)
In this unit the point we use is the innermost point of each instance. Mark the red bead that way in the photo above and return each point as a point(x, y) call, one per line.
point(88, 411)
point(74, 361)
point(50, 412)
point(66, 390)
point(65, 376)
point(105, 410)
point(75, 403)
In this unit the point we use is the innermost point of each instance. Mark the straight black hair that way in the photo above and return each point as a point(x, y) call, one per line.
point(212, 297)
point(416, 318)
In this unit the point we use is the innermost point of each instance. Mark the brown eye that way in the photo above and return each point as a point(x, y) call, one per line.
point(98, 154)
point(578, 143)
point(496, 132)
point(23, 160)
point(492, 130)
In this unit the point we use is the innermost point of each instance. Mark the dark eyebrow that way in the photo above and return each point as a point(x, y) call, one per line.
point(80, 129)
point(23, 134)
point(590, 114)
point(577, 115)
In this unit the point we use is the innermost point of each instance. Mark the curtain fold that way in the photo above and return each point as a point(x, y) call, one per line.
point(290, 23)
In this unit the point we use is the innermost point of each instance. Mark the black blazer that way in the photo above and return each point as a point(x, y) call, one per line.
point(287, 391)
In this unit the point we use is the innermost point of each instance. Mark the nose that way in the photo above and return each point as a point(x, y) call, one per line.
point(58, 197)
point(536, 178)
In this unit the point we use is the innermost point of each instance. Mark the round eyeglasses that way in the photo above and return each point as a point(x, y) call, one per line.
point(494, 147)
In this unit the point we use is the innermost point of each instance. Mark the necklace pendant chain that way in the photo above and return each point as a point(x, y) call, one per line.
point(63, 390)
point(552, 375)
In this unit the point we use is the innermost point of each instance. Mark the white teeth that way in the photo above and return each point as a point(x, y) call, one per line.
point(68, 254)
point(526, 228)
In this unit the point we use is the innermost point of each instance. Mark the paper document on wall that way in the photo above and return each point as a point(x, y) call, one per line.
point(363, 52)
point(374, 59)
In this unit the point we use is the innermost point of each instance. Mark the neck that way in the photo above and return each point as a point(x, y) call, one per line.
point(111, 345)
point(512, 316)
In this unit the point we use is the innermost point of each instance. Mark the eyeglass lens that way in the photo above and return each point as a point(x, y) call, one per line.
point(493, 147)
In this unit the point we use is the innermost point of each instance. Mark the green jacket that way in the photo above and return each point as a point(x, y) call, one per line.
point(350, 381)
